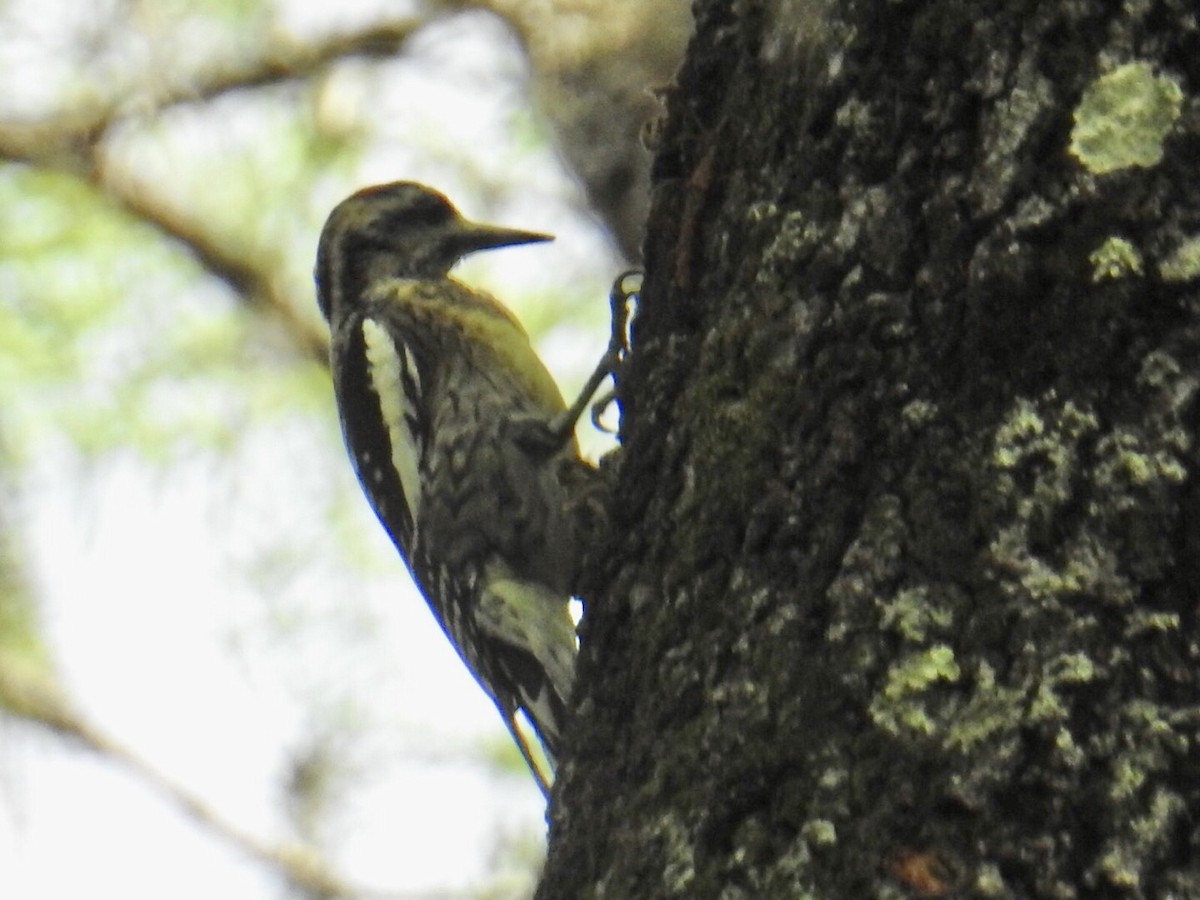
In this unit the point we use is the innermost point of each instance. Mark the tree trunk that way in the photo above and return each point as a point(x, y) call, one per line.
point(901, 594)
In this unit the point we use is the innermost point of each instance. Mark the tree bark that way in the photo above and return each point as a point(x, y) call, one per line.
point(901, 593)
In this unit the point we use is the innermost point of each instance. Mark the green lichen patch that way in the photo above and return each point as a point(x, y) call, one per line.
point(901, 707)
point(991, 710)
point(819, 832)
point(914, 614)
point(1184, 262)
point(1123, 118)
point(1035, 455)
point(1115, 258)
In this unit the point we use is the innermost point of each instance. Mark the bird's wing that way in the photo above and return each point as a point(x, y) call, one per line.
point(377, 384)
point(533, 626)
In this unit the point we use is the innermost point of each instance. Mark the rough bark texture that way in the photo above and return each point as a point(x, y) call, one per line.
point(902, 595)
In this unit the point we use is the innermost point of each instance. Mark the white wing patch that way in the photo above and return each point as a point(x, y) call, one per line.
point(534, 618)
point(387, 367)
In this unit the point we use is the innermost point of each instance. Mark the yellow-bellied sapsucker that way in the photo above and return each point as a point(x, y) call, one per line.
point(457, 434)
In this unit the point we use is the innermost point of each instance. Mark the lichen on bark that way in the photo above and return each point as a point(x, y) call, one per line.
point(900, 595)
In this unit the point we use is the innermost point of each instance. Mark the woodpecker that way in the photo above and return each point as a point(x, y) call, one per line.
point(461, 441)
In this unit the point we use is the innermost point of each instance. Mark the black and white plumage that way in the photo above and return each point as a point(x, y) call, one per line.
point(445, 409)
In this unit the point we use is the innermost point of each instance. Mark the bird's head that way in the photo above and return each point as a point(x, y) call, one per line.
point(398, 230)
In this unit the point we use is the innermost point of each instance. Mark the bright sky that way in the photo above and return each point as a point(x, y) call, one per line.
point(183, 628)
point(146, 630)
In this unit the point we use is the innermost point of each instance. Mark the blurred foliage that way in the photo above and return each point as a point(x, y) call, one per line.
point(23, 654)
point(165, 167)
point(110, 339)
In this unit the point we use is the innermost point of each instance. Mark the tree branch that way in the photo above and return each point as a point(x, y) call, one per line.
point(71, 135)
point(72, 143)
point(288, 61)
point(247, 277)
point(30, 694)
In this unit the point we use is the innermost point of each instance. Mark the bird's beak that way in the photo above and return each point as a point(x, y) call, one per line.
point(486, 237)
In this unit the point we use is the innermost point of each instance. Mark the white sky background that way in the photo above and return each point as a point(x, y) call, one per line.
point(194, 617)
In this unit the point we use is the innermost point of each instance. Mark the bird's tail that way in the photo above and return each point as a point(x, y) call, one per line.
point(533, 626)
